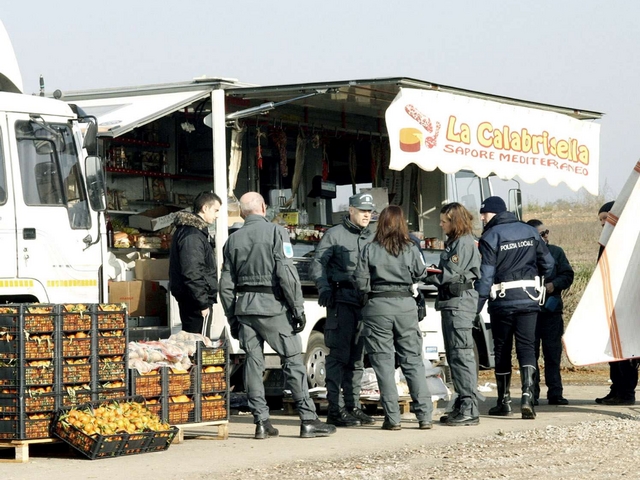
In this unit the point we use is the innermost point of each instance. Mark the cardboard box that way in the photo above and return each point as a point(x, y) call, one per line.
point(142, 297)
point(154, 219)
point(152, 269)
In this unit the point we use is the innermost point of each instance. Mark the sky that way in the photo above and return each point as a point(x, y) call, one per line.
point(573, 53)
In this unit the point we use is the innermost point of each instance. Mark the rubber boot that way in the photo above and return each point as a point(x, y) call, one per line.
point(503, 406)
point(526, 403)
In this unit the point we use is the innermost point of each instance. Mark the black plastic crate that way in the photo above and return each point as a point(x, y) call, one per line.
point(110, 316)
point(39, 318)
point(213, 407)
point(105, 393)
point(177, 382)
point(9, 427)
point(37, 425)
point(35, 402)
point(146, 385)
point(111, 368)
point(178, 413)
point(39, 346)
point(104, 446)
point(76, 317)
point(212, 381)
point(8, 404)
point(112, 342)
point(218, 355)
point(75, 372)
point(39, 372)
point(9, 376)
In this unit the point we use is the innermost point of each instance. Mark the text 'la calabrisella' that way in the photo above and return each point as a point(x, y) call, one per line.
point(518, 141)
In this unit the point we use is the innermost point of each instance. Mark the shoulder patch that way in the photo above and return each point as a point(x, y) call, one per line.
point(454, 258)
point(288, 249)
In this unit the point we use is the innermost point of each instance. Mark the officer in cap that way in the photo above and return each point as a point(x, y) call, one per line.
point(262, 299)
point(332, 270)
point(514, 258)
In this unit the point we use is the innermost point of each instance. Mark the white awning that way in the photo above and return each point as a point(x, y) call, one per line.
point(119, 115)
point(454, 132)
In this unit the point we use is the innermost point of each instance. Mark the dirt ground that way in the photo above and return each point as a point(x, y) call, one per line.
point(580, 441)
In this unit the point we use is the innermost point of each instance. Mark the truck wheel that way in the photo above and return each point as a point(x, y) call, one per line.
point(314, 360)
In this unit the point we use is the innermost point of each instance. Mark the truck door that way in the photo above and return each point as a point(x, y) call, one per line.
point(8, 267)
point(53, 221)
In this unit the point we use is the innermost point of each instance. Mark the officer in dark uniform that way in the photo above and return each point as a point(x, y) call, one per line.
point(550, 325)
point(513, 259)
point(262, 299)
point(457, 302)
point(387, 270)
point(332, 270)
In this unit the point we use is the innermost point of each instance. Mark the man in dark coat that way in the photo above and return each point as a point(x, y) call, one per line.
point(193, 278)
point(550, 325)
point(514, 257)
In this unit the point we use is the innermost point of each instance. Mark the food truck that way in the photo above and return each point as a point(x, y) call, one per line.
point(308, 147)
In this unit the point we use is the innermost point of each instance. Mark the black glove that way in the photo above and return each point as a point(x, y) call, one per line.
point(326, 299)
point(299, 322)
point(234, 327)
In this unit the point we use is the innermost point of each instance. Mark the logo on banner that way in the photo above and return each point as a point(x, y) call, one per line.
point(411, 138)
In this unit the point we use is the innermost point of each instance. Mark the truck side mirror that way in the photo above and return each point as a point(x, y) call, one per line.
point(515, 202)
point(91, 139)
point(96, 185)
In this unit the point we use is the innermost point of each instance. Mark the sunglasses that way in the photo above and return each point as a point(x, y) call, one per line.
point(544, 233)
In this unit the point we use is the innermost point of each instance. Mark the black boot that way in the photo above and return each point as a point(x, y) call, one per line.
point(503, 406)
point(358, 414)
point(526, 403)
point(341, 418)
point(264, 429)
point(315, 428)
point(453, 413)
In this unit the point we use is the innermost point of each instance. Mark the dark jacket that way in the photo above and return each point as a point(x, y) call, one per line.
point(192, 267)
point(562, 278)
point(260, 255)
point(511, 250)
point(336, 259)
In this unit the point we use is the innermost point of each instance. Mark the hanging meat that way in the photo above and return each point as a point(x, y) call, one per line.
point(280, 139)
point(235, 157)
point(259, 136)
point(301, 147)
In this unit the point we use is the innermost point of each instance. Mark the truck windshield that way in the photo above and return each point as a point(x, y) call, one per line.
point(471, 190)
point(50, 170)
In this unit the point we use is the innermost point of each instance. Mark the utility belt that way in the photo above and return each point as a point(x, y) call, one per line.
point(402, 294)
point(344, 285)
point(255, 289)
point(452, 290)
point(498, 290)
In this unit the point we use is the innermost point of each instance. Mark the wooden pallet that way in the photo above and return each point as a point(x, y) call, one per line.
point(222, 432)
point(289, 406)
point(22, 448)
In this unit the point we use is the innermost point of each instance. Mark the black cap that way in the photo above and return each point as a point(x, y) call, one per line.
point(606, 207)
point(362, 201)
point(493, 205)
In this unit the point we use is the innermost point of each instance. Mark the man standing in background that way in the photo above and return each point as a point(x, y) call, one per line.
point(332, 270)
point(193, 278)
point(550, 325)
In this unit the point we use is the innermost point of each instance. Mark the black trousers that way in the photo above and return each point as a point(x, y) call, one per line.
point(191, 317)
point(549, 330)
point(522, 326)
point(624, 379)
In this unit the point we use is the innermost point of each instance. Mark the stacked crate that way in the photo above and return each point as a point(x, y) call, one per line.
point(50, 358)
point(212, 378)
point(198, 395)
point(111, 351)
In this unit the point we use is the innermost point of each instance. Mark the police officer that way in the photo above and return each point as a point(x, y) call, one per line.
point(513, 258)
point(550, 325)
point(387, 269)
point(193, 277)
point(457, 303)
point(332, 270)
point(262, 299)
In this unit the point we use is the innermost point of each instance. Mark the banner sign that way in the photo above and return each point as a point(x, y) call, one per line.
point(455, 132)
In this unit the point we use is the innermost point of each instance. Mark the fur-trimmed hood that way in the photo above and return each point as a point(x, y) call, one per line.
point(190, 220)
